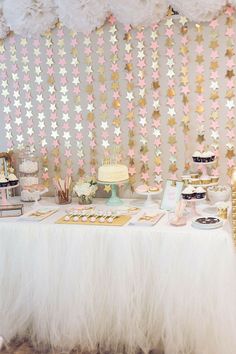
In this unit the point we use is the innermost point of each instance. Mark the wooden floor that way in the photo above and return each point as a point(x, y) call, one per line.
point(23, 347)
point(26, 348)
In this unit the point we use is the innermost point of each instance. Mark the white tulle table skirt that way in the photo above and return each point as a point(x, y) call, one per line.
point(69, 285)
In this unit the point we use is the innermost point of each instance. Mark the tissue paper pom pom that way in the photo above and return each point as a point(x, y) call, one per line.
point(198, 10)
point(138, 12)
point(82, 15)
point(29, 17)
point(4, 29)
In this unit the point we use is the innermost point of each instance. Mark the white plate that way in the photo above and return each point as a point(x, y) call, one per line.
point(197, 225)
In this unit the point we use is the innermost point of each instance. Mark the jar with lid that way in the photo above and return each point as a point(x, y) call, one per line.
point(29, 175)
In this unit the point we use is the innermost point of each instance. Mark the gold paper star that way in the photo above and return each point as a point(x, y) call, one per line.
point(172, 140)
point(128, 67)
point(199, 109)
point(173, 168)
point(214, 65)
point(229, 74)
point(200, 139)
point(127, 36)
point(230, 154)
point(155, 85)
point(229, 94)
point(116, 104)
point(214, 96)
point(199, 59)
point(229, 52)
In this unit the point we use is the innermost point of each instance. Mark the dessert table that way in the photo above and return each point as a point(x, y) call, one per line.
point(90, 286)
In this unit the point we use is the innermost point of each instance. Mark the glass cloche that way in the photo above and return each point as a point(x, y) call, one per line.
point(29, 175)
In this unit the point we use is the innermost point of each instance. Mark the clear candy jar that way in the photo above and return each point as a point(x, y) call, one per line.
point(29, 175)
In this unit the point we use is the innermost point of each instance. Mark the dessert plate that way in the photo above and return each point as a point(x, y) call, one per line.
point(207, 222)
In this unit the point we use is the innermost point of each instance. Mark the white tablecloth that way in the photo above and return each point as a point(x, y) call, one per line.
point(69, 285)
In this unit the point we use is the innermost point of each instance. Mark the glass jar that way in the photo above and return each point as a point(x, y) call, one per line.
point(29, 175)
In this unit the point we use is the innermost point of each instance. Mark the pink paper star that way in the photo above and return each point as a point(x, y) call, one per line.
point(130, 106)
point(76, 90)
point(129, 77)
point(132, 170)
point(144, 158)
point(81, 163)
point(117, 140)
point(154, 45)
point(140, 36)
point(141, 83)
point(101, 60)
point(157, 142)
point(100, 41)
point(141, 64)
point(63, 80)
point(131, 153)
point(112, 19)
point(43, 150)
point(65, 126)
point(45, 176)
point(158, 170)
point(114, 49)
point(117, 113)
point(131, 125)
point(79, 136)
point(65, 108)
point(42, 134)
point(76, 71)
point(155, 75)
point(145, 176)
point(87, 51)
point(68, 153)
point(128, 57)
point(74, 42)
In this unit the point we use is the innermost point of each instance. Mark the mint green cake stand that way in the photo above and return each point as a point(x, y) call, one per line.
point(114, 200)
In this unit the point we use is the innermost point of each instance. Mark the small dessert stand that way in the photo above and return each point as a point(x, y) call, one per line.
point(205, 165)
point(114, 200)
point(5, 205)
point(150, 202)
point(193, 203)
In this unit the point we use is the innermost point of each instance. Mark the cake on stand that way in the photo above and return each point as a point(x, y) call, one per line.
point(113, 174)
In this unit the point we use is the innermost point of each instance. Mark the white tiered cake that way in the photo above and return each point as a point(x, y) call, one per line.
point(113, 173)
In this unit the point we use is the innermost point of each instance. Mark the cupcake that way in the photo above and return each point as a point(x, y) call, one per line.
point(200, 193)
point(205, 179)
point(197, 156)
point(3, 181)
point(188, 193)
point(186, 179)
point(195, 181)
point(13, 180)
point(205, 157)
point(214, 179)
point(211, 156)
point(194, 175)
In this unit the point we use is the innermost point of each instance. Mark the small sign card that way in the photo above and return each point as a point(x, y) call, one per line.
point(147, 219)
point(171, 195)
point(38, 214)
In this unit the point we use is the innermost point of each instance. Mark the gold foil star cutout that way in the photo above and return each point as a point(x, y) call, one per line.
point(107, 188)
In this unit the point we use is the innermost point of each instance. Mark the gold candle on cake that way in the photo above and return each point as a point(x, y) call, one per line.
point(233, 189)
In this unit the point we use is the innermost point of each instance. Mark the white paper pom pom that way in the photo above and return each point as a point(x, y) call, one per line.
point(138, 12)
point(4, 29)
point(30, 17)
point(82, 15)
point(198, 10)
